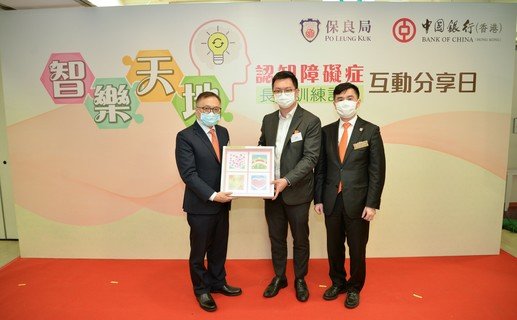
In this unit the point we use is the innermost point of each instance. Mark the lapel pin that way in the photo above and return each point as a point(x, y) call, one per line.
point(360, 129)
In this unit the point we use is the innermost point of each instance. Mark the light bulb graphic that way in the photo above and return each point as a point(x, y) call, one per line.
point(218, 43)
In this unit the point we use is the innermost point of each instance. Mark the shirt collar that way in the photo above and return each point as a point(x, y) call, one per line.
point(351, 121)
point(289, 115)
point(205, 128)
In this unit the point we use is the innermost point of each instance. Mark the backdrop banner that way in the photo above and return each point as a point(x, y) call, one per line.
point(95, 97)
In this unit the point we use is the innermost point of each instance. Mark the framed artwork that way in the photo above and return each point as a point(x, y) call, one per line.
point(248, 171)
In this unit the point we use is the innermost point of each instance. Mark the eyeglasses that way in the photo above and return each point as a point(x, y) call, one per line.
point(279, 91)
point(208, 109)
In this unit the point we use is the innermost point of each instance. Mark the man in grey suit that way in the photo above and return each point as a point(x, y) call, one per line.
point(296, 135)
point(349, 182)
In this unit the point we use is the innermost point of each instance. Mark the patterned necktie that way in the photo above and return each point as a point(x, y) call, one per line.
point(342, 149)
point(215, 144)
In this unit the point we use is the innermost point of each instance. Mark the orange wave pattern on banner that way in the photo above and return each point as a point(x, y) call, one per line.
point(476, 137)
point(67, 170)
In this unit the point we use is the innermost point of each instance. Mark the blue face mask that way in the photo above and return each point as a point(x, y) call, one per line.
point(210, 119)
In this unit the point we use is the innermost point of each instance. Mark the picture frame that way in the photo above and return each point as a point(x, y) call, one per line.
point(248, 171)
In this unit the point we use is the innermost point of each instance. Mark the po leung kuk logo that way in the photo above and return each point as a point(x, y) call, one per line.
point(310, 28)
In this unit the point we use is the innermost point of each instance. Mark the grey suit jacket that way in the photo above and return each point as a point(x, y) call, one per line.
point(362, 173)
point(298, 158)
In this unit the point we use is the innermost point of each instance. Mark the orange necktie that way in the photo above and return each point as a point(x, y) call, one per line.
point(215, 144)
point(342, 149)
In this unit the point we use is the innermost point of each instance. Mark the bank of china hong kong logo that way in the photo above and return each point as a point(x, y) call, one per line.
point(404, 30)
point(310, 29)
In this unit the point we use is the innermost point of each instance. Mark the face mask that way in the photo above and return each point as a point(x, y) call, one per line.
point(210, 119)
point(346, 108)
point(284, 100)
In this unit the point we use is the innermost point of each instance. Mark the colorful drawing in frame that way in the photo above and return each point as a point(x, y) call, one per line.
point(259, 161)
point(236, 182)
point(259, 182)
point(237, 161)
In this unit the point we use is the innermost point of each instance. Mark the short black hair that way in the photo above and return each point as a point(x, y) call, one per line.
point(342, 87)
point(285, 75)
point(207, 94)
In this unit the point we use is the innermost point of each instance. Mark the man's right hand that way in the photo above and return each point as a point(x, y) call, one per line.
point(223, 197)
point(318, 208)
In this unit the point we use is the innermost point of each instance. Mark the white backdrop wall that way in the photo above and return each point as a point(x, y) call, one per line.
point(95, 97)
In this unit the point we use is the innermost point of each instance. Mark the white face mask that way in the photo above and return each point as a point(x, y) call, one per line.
point(284, 100)
point(346, 108)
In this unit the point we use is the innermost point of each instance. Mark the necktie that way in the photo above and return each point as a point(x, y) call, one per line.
point(215, 144)
point(342, 149)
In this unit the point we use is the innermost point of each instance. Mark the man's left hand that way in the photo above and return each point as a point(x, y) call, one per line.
point(280, 185)
point(368, 213)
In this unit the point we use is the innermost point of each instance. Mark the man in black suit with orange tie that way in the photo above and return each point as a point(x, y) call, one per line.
point(198, 157)
point(349, 179)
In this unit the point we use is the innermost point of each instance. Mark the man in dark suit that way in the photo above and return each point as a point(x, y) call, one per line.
point(296, 135)
point(349, 182)
point(198, 157)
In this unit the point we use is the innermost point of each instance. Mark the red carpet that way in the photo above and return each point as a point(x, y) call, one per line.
point(474, 287)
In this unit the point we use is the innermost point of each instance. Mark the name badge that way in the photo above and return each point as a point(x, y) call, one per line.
point(297, 136)
point(361, 144)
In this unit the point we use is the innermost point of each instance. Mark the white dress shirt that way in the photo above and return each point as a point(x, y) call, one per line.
point(349, 130)
point(206, 129)
point(209, 135)
point(281, 135)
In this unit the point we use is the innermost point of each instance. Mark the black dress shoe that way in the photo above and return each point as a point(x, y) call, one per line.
point(206, 302)
point(228, 290)
point(333, 292)
point(302, 292)
point(276, 284)
point(352, 299)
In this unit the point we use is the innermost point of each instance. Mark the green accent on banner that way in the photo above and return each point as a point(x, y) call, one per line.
point(113, 104)
point(308, 94)
point(185, 104)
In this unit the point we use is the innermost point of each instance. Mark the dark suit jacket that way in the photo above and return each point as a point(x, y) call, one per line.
point(199, 168)
point(298, 158)
point(362, 173)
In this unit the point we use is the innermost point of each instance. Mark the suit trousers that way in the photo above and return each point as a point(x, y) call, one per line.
point(208, 236)
point(340, 228)
point(279, 216)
